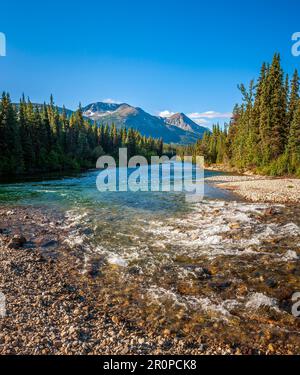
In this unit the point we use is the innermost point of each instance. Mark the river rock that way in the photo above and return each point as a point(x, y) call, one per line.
point(135, 270)
point(4, 231)
point(200, 272)
point(271, 283)
point(51, 243)
point(87, 231)
point(220, 286)
point(17, 242)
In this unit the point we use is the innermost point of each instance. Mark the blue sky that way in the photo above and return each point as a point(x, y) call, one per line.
point(180, 55)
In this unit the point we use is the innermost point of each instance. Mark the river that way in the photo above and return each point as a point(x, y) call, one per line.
point(221, 267)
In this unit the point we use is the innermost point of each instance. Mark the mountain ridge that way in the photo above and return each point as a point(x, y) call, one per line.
point(177, 129)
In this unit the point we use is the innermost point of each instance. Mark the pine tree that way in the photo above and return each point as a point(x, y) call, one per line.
point(10, 143)
point(294, 141)
point(256, 118)
point(294, 97)
point(26, 137)
point(39, 138)
point(277, 110)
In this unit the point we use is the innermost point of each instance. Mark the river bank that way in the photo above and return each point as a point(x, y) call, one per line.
point(255, 188)
point(59, 303)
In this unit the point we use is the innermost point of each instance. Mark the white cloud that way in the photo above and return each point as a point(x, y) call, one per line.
point(201, 121)
point(166, 114)
point(110, 101)
point(210, 115)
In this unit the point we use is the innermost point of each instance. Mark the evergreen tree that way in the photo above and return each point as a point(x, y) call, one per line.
point(278, 122)
point(40, 138)
point(294, 97)
point(294, 141)
point(263, 133)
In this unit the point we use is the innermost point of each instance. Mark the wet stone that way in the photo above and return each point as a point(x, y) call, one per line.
point(4, 231)
point(201, 273)
point(87, 231)
point(271, 283)
point(220, 286)
point(51, 243)
point(168, 344)
point(17, 242)
point(135, 270)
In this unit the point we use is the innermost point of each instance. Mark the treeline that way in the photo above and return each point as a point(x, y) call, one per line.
point(264, 133)
point(42, 138)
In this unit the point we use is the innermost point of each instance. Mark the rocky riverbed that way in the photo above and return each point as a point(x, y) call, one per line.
point(218, 282)
point(51, 308)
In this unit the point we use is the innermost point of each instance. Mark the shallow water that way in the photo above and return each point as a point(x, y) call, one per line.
point(179, 266)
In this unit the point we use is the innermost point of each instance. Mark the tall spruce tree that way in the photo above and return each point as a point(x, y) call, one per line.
point(294, 97)
point(294, 141)
point(278, 119)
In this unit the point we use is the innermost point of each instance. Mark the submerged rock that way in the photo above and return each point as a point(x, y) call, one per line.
point(135, 270)
point(87, 231)
point(220, 286)
point(51, 243)
point(4, 231)
point(271, 283)
point(200, 272)
point(17, 242)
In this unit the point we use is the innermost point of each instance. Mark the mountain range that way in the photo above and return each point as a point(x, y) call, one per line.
point(177, 129)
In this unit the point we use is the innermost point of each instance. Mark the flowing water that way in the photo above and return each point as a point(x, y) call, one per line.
point(222, 267)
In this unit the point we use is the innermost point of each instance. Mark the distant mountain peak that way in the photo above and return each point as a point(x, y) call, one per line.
point(175, 129)
point(182, 121)
point(178, 116)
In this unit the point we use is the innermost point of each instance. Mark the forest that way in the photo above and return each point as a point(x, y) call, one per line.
point(264, 133)
point(43, 138)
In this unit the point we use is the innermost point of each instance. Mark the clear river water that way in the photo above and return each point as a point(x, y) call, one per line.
point(222, 266)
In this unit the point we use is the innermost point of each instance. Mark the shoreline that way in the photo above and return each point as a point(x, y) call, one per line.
point(259, 189)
